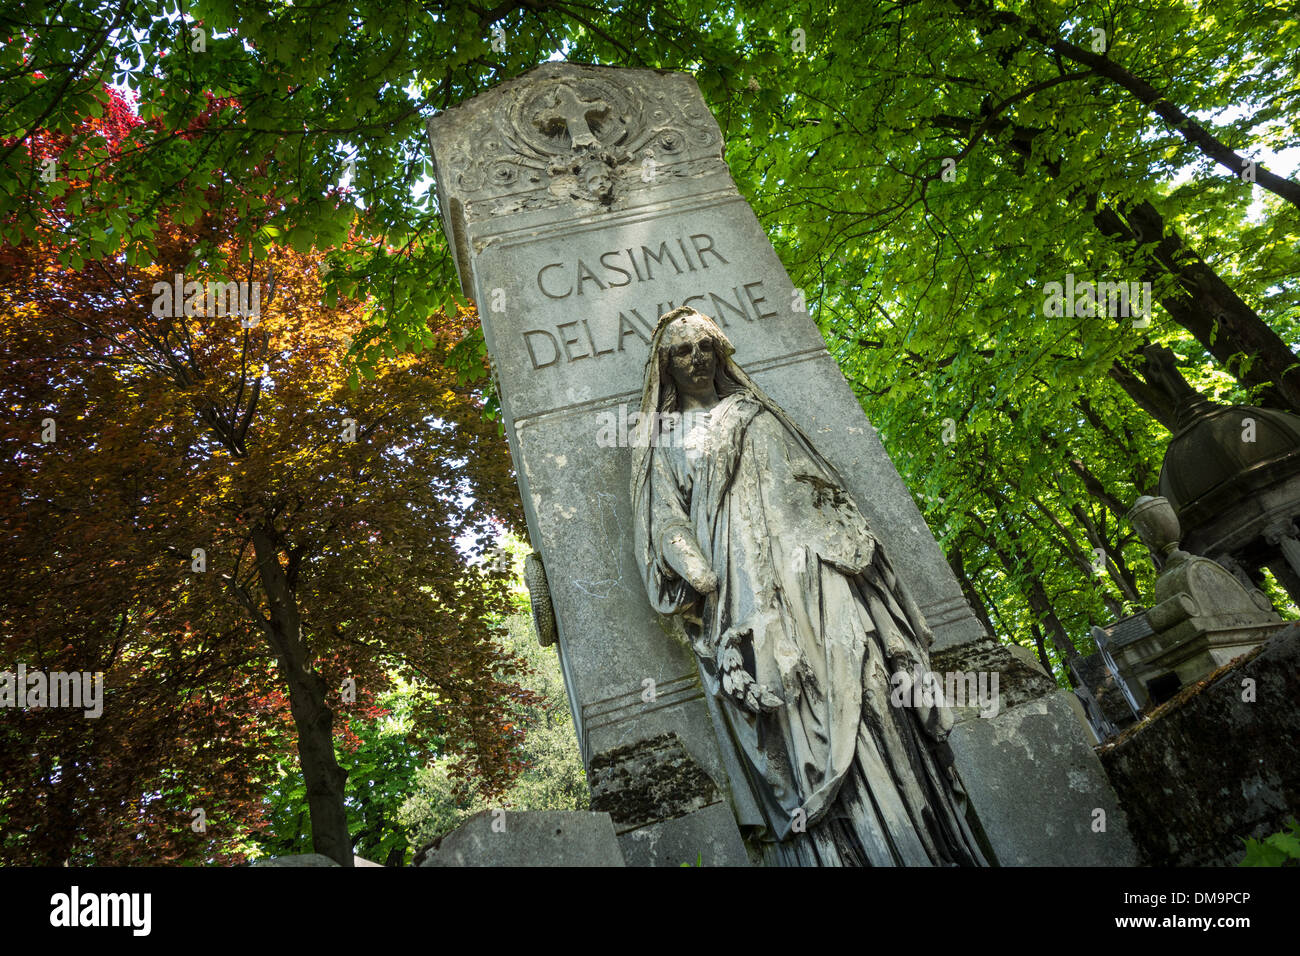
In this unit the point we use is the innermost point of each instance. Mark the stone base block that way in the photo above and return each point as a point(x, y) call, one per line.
point(1034, 782)
point(707, 837)
point(1036, 788)
point(530, 838)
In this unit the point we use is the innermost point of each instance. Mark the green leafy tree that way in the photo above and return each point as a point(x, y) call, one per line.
point(222, 519)
point(924, 170)
point(381, 752)
point(553, 777)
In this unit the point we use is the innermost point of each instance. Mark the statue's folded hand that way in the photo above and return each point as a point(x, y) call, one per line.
point(706, 582)
point(834, 528)
point(846, 544)
point(683, 554)
point(737, 682)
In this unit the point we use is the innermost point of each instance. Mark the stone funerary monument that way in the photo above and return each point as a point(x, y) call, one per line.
point(581, 204)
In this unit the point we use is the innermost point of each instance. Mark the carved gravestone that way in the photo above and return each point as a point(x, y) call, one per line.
point(582, 203)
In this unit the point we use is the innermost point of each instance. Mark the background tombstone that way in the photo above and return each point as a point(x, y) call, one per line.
point(581, 203)
point(532, 838)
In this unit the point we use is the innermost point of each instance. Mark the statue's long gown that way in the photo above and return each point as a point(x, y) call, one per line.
point(823, 625)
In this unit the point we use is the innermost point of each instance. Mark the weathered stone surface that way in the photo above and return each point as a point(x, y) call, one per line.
point(531, 838)
point(706, 837)
point(1019, 680)
point(650, 780)
point(299, 859)
point(581, 203)
point(1030, 771)
point(1209, 768)
point(1035, 786)
point(665, 808)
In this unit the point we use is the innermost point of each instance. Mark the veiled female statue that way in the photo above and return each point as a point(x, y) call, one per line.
point(746, 536)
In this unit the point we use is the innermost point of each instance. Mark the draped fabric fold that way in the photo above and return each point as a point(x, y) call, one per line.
point(797, 642)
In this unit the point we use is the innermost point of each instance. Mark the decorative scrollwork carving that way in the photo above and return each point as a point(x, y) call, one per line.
point(579, 134)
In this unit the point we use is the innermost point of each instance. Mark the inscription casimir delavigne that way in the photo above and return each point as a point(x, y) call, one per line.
point(604, 333)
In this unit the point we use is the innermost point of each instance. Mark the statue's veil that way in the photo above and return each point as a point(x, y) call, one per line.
point(658, 398)
point(659, 393)
point(668, 593)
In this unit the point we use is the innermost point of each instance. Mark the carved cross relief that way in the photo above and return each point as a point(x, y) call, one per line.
point(567, 113)
point(575, 134)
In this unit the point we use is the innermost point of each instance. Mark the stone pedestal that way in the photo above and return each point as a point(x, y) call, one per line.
point(1034, 783)
point(1202, 619)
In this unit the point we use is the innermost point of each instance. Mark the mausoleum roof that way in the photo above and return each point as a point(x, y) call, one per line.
point(1224, 453)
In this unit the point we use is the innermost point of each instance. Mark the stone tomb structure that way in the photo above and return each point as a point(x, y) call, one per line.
point(1202, 618)
point(582, 203)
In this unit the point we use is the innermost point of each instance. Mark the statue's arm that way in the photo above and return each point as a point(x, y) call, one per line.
point(671, 533)
point(682, 553)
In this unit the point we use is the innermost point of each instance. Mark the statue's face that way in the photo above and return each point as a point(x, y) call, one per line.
point(597, 182)
point(691, 358)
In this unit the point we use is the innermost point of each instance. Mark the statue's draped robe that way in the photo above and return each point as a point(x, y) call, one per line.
point(835, 775)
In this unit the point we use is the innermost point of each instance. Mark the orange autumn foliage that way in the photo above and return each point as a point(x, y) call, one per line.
point(323, 557)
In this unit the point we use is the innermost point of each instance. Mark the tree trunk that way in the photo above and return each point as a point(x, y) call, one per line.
point(1103, 66)
point(325, 780)
point(1208, 308)
point(1204, 304)
point(1041, 605)
point(1042, 647)
point(1151, 400)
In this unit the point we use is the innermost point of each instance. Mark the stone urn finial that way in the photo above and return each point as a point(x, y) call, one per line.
point(1157, 523)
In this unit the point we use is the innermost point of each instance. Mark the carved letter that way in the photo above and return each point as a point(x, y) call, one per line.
point(541, 271)
point(663, 251)
point(755, 300)
point(609, 266)
point(570, 341)
point(686, 255)
point(627, 327)
point(639, 277)
point(708, 247)
point(721, 303)
point(555, 349)
point(586, 275)
point(594, 350)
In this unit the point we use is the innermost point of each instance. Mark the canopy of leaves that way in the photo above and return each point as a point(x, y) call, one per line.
point(553, 777)
point(208, 477)
point(924, 168)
